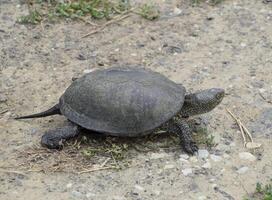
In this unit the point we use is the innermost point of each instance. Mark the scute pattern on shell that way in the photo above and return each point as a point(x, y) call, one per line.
point(122, 101)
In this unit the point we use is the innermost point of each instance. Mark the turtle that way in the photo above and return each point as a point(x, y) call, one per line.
point(128, 102)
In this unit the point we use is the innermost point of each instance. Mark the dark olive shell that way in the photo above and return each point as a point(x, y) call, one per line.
point(122, 101)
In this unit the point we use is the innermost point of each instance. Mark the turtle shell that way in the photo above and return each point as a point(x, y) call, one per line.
point(122, 101)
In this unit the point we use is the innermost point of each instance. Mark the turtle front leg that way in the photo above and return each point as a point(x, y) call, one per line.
point(184, 132)
point(54, 139)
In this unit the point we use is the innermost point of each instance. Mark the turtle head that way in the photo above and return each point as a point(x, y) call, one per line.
point(202, 102)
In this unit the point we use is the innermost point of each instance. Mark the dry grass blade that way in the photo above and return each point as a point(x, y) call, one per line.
point(239, 123)
point(105, 25)
point(242, 131)
point(268, 101)
point(248, 133)
point(105, 162)
point(251, 144)
point(86, 21)
point(114, 20)
point(13, 172)
point(96, 169)
point(3, 111)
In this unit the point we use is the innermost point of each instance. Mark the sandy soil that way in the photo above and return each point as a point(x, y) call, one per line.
point(228, 46)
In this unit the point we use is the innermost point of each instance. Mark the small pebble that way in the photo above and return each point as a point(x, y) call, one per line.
point(158, 155)
point(182, 160)
point(169, 166)
point(157, 192)
point(214, 186)
point(207, 165)
point(202, 198)
point(203, 154)
point(243, 44)
point(187, 171)
point(216, 158)
point(212, 180)
point(138, 187)
point(232, 144)
point(76, 194)
point(3, 98)
point(193, 159)
point(226, 156)
point(69, 185)
point(89, 70)
point(247, 156)
point(242, 170)
point(177, 11)
point(89, 195)
point(184, 156)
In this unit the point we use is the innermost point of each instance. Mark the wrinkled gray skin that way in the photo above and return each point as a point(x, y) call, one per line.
point(128, 102)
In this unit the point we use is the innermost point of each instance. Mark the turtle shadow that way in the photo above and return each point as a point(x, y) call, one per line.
point(155, 141)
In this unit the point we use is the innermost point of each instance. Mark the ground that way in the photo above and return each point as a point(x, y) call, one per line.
point(228, 45)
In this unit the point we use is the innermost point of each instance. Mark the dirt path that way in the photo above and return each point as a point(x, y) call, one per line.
point(228, 46)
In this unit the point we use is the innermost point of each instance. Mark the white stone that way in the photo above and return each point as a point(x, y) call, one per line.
point(158, 155)
point(233, 144)
point(226, 156)
point(157, 192)
point(216, 158)
point(89, 70)
point(177, 11)
point(187, 171)
point(242, 170)
point(214, 185)
point(193, 159)
point(212, 180)
point(243, 44)
point(169, 166)
point(184, 161)
point(247, 156)
point(138, 187)
point(69, 185)
point(76, 194)
point(203, 154)
point(184, 156)
point(202, 198)
point(89, 195)
point(207, 165)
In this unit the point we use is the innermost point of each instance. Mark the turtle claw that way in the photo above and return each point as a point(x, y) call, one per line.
point(54, 139)
point(190, 148)
point(50, 141)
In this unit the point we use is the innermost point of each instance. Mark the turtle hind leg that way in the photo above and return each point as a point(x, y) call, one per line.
point(54, 139)
point(185, 134)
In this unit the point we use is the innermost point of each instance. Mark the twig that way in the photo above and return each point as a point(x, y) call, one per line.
point(105, 162)
point(239, 124)
point(105, 25)
point(86, 21)
point(96, 169)
point(12, 171)
point(248, 133)
point(3, 111)
point(115, 162)
point(114, 20)
point(244, 131)
point(268, 101)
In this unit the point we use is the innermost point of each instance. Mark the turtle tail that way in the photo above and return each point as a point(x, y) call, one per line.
point(55, 110)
